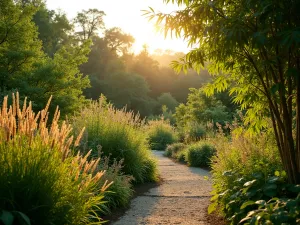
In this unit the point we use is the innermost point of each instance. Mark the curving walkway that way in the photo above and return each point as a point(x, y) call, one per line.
point(182, 198)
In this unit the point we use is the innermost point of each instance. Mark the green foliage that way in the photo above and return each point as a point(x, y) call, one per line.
point(181, 156)
point(118, 41)
point(199, 154)
point(254, 200)
point(276, 210)
point(23, 64)
point(243, 173)
point(63, 80)
point(53, 29)
point(176, 151)
point(128, 90)
point(19, 45)
point(252, 47)
point(120, 191)
point(166, 99)
point(119, 135)
point(202, 109)
point(173, 149)
point(193, 132)
point(41, 182)
point(161, 134)
point(112, 68)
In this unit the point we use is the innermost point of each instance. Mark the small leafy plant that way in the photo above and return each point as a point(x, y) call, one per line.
point(254, 200)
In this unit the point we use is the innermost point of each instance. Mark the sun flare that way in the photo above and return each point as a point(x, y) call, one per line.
point(129, 17)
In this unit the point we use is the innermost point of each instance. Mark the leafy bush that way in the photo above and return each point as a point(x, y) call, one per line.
point(201, 109)
point(194, 132)
point(39, 177)
point(243, 176)
point(119, 135)
point(167, 100)
point(199, 154)
point(255, 201)
point(161, 134)
point(173, 149)
point(181, 156)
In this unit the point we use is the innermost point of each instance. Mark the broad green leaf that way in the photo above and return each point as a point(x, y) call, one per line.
point(245, 204)
point(215, 197)
point(250, 183)
point(212, 207)
point(6, 218)
point(260, 202)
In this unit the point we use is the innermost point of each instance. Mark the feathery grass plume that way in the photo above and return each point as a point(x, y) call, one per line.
point(120, 135)
point(39, 176)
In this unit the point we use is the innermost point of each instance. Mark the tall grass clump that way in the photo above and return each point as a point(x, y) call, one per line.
point(119, 135)
point(161, 134)
point(40, 179)
point(121, 190)
point(250, 185)
point(199, 154)
point(244, 153)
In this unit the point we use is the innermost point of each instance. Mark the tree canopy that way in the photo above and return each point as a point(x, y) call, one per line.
point(25, 67)
point(254, 46)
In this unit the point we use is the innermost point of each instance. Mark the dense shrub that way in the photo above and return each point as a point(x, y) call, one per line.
point(181, 156)
point(199, 154)
point(260, 199)
point(173, 149)
point(39, 176)
point(248, 184)
point(119, 135)
point(161, 134)
point(194, 132)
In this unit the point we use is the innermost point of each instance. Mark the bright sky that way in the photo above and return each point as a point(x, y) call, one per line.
point(127, 15)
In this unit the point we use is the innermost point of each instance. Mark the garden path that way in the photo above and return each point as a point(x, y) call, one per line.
point(181, 198)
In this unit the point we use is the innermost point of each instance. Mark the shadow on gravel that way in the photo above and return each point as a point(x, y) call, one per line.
point(199, 171)
point(140, 191)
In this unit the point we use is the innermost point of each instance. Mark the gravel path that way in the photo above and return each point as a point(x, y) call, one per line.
point(182, 198)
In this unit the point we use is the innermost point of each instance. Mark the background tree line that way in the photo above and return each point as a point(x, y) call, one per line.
point(43, 53)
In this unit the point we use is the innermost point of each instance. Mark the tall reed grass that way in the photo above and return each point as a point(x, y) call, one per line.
point(39, 175)
point(119, 135)
point(243, 152)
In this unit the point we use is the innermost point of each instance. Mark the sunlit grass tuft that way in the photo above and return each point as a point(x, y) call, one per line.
point(119, 135)
point(39, 176)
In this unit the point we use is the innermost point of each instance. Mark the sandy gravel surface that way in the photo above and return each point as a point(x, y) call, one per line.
point(182, 198)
